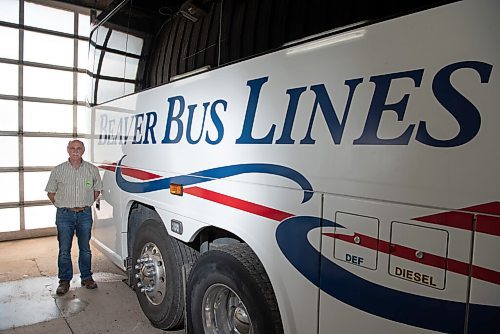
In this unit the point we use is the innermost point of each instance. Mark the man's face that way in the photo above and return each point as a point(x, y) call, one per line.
point(75, 150)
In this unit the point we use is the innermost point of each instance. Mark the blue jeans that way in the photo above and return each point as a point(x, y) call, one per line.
point(69, 222)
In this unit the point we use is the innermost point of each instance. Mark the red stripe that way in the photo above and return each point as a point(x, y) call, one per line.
point(485, 224)
point(492, 208)
point(408, 253)
point(488, 225)
point(110, 168)
point(239, 204)
point(139, 174)
point(462, 268)
point(486, 274)
point(451, 219)
point(135, 173)
point(394, 249)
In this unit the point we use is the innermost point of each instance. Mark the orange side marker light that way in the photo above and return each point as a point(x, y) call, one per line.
point(176, 189)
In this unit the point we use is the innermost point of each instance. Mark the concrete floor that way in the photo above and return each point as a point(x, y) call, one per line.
point(28, 303)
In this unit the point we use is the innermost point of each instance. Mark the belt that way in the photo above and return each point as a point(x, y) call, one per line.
point(77, 209)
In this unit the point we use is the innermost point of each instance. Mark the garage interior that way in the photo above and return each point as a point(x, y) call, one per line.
point(47, 89)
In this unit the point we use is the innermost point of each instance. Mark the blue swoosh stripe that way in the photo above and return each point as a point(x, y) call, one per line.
point(213, 173)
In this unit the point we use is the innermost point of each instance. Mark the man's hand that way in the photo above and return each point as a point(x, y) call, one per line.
point(52, 197)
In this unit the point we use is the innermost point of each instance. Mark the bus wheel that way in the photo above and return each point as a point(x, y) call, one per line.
point(228, 291)
point(157, 271)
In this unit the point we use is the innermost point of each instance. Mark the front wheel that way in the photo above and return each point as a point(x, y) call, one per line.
point(158, 261)
point(229, 292)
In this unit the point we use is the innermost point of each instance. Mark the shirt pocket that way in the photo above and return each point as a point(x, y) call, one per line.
point(89, 183)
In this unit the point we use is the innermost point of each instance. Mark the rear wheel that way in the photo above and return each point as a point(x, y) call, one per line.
point(229, 292)
point(157, 271)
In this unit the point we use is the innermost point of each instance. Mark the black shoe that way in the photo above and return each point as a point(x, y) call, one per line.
point(89, 283)
point(62, 288)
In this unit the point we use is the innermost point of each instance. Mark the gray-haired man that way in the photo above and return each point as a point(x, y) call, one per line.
point(73, 187)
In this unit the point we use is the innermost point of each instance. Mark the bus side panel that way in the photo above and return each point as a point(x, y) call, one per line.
point(107, 227)
point(111, 218)
point(393, 289)
point(484, 310)
point(393, 268)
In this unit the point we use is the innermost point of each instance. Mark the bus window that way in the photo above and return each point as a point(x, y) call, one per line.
point(133, 71)
point(166, 41)
point(109, 42)
point(254, 27)
point(169, 41)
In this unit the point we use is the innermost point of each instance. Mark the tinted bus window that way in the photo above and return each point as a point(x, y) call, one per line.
point(109, 48)
point(149, 43)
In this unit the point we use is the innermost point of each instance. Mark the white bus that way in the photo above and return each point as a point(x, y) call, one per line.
point(301, 166)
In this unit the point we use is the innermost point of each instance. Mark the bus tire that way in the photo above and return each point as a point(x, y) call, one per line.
point(231, 276)
point(158, 260)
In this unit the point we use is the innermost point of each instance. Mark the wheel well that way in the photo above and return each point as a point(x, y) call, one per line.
point(138, 214)
point(208, 238)
point(213, 237)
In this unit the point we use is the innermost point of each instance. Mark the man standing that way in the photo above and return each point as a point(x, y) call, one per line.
point(73, 187)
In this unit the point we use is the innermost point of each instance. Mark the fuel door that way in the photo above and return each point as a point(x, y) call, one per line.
point(418, 254)
point(356, 241)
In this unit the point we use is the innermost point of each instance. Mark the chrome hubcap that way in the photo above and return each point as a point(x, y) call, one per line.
point(151, 278)
point(224, 312)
